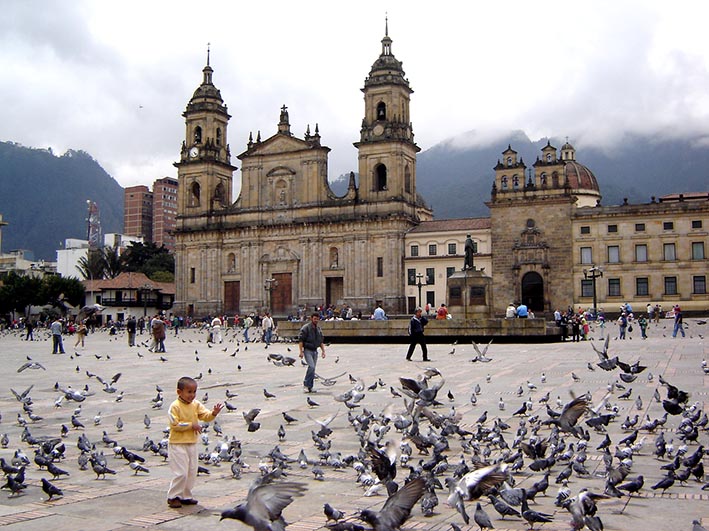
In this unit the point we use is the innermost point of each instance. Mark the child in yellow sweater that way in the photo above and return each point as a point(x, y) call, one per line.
point(185, 414)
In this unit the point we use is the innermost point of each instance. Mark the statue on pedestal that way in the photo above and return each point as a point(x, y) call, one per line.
point(469, 251)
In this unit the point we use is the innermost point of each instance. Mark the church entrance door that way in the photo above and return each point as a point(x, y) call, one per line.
point(533, 291)
point(231, 296)
point(282, 294)
point(334, 291)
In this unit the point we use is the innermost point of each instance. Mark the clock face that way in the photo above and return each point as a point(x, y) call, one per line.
point(194, 152)
point(378, 130)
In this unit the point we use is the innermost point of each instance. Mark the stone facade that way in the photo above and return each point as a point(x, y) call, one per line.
point(288, 241)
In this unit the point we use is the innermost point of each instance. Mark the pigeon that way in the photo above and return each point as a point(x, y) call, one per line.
point(475, 484)
point(264, 505)
point(331, 513)
point(481, 518)
point(50, 490)
point(397, 508)
point(289, 418)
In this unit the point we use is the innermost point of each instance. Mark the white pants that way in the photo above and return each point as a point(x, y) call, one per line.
point(183, 464)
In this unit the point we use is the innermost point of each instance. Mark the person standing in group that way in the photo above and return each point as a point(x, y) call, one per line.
point(56, 329)
point(216, 330)
point(309, 339)
point(29, 327)
point(81, 332)
point(141, 325)
point(658, 313)
point(267, 326)
point(678, 322)
point(248, 323)
point(157, 328)
point(622, 325)
point(416, 326)
point(642, 323)
point(184, 418)
point(130, 328)
point(575, 328)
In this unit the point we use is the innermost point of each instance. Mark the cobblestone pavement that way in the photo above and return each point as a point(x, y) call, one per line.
point(128, 501)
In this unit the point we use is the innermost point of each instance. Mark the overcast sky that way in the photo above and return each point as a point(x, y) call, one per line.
point(113, 77)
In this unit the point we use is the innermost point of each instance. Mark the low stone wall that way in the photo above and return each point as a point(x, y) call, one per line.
point(396, 330)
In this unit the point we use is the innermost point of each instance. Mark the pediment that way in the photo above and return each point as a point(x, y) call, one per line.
point(278, 144)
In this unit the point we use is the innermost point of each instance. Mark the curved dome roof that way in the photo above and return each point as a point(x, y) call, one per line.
point(579, 177)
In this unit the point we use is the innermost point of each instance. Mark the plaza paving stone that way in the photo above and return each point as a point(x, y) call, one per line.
point(129, 502)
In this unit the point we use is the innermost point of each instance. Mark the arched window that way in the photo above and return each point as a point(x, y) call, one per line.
point(219, 193)
point(548, 157)
point(515, 182)
point(197, 135)
point(194, 194)
point(381, 111)
point(503, 182)
point(407, 180)
point(219, 136)
point(509, 161)
point(543, 179)
point(380, 174)
point(555, 180)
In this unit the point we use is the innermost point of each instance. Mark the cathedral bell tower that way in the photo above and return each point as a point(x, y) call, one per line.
point(387, 152)
point(204, 171)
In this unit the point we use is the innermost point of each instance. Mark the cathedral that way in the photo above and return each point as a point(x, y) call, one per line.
point(288, 241)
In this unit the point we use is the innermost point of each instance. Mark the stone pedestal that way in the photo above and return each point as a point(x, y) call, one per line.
point(470, 295)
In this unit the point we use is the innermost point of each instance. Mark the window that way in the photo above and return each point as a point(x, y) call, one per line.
point(640, 227)
point(543, 179)
point(641, 252)
point(414, 250)
point(670, 285)
point(411, 277)
point(432, 249)
point(696, 223)
point(586, 229)
point(380, 266)
point(431, 298)
point(699, 284)
point(613, 254)
point(586, 288)
point(612, 229)
point(586, 255)
point(515, 182)
point(642, 287)
point(381, 178)
point(449, 271)
point(697, 250)
point(668, 225)
point(193, 274)
point(430, 275)
point(503, 182)
point(668, 252)
point(452, 248)
point(614, 287)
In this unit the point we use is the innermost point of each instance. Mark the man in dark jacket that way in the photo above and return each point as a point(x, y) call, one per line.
point(309, 340)
point(418, 322)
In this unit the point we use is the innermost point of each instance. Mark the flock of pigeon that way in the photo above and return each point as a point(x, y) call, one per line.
point(524, 459)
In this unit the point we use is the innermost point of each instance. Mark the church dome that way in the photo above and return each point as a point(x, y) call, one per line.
point(579, 177)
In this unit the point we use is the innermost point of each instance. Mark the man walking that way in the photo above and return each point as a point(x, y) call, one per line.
point(267, 325)
point(56, 328)
point(678, 322)
point(310, 338)
point(418, 322)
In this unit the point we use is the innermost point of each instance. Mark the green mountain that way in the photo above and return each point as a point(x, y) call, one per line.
point(43, 198)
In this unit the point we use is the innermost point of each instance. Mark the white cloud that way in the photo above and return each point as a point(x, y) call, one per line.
point(112, 78)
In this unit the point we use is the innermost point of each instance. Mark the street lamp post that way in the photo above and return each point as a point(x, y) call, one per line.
point(419, 285)
point(593, 273)
point(269, 285)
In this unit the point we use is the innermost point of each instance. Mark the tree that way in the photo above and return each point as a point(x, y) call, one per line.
point(58, 291)
point(19, 292)
point(92, 266)
point(148, 258)
point(112, 263)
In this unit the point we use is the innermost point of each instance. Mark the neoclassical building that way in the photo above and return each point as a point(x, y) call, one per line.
point(288, 240)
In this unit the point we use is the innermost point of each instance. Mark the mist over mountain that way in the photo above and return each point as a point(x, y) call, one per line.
point(456, 179)
point(43, 198)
